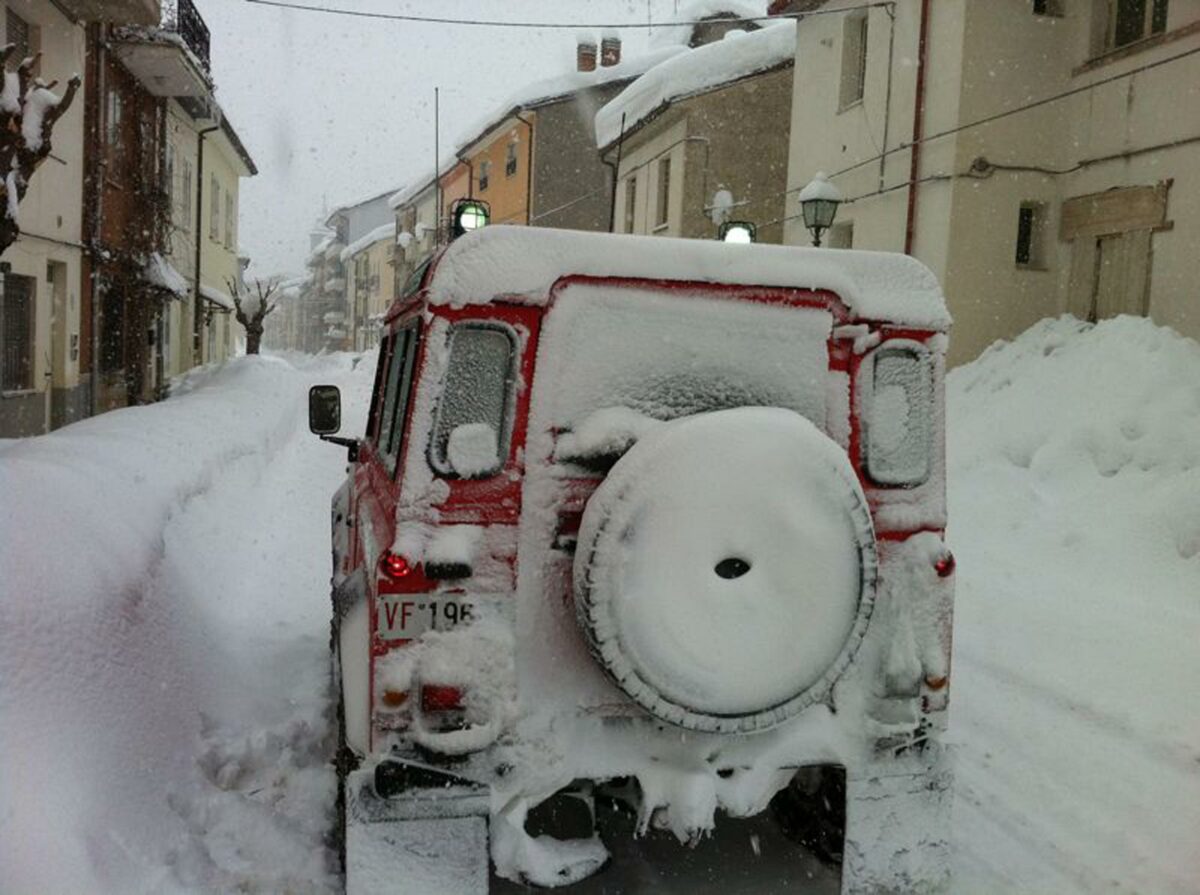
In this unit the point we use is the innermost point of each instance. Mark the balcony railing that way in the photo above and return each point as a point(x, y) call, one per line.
point(182, 17)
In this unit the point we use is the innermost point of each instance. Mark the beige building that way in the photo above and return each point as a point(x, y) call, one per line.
point(416, 228)
point(1056, 164)
point(368, 264)
point(205, 163)
point(703, 138)
point(41, 325)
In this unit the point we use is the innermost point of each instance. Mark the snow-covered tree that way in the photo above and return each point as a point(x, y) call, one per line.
point(252, 308)
point(28, 109)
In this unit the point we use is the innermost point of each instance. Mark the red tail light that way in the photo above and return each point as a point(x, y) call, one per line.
point(945, 565)
point(394, 565)
point(440, 698)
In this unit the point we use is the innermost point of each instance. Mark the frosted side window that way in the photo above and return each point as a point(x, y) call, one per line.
point(478, 382)
point(900, 419)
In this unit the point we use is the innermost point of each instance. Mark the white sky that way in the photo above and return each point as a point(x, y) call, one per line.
point(339, 108)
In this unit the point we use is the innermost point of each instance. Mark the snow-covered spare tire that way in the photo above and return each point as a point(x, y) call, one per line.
point(725, 570)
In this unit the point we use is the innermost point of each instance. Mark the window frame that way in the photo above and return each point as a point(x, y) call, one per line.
point(867, 382)
point(510, 159)
point(856, 32)
point(439, 464)
point(229, 219)
point(390, 411)
point(662, 200)
point(1147, 29)
point(214, 208)
point(27, 384)
point(485, 174)
point(1031, 238)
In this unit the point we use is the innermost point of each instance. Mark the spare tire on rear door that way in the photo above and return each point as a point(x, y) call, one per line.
point(725, 571)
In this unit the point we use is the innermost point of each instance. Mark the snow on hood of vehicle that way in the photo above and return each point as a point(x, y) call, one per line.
point(1074, 507)
point(523, 263)
point(695, 71)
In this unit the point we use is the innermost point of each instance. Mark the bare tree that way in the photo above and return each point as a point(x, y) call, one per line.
point(251, 309)
point(28, 110)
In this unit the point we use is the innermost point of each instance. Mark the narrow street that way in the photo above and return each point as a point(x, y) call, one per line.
point(178, 739)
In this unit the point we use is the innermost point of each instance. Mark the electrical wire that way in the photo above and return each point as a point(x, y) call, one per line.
point(497, 23)
point(979, 122)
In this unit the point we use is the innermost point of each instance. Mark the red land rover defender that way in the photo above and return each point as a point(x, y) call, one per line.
point(649, 520)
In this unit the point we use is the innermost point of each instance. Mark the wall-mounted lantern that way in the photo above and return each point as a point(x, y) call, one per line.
point(468, 215)
point(819, 202)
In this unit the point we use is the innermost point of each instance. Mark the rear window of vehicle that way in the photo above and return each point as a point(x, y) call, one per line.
point(476, 390)
point(667, 355)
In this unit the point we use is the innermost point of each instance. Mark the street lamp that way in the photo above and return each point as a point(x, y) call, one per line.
point(468, 215)
point(738, 231)
point(819, 204)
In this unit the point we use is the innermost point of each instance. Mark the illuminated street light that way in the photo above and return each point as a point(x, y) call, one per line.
point(468, 215)
point(738, 231)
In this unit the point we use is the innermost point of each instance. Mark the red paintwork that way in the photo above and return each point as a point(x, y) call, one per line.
point(497, 500)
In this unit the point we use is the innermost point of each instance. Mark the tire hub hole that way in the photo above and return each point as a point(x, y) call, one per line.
point(733, 567)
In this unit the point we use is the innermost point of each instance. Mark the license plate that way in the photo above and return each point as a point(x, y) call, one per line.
point(405, 616)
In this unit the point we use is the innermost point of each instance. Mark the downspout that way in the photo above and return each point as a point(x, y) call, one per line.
point(918, 130)
point(197, 300)
point(616, 171)
point(887, 97)
point(97, 186)
point(528, 172)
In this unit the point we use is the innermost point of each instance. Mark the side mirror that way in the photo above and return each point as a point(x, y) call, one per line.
point(324, 409)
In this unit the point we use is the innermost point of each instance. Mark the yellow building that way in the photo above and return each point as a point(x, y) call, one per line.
point(368, 263)
point(205, 162)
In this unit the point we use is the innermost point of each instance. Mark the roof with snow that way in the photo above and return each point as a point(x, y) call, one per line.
point(532, 96)
point(161, 273)
point(681, 30)
point(522, 264)
point(217, 296)
point(740, 55)
point(384, 231)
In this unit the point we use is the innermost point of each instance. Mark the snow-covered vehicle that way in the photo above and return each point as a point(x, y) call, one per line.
point(644, 519)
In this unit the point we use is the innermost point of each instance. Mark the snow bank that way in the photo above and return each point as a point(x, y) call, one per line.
point(144, 570)
point(1074, 475)
point(522, 263)
point(693, 72)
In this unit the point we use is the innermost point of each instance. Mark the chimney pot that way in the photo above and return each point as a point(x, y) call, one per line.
point(610, 50)
point(585, 55)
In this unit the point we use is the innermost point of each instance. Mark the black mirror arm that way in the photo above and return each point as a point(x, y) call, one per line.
point(351, 445)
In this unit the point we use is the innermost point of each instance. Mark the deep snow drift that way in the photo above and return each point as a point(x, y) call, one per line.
point(1074, 475)
point(164, 625)
point(163, 640)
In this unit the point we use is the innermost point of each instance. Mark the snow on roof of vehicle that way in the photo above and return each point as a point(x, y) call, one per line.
point(383, 231)
point(523, 263)
point(696, 71)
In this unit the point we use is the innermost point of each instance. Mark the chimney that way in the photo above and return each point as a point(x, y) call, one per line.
point(585, 54)
point(610, 50)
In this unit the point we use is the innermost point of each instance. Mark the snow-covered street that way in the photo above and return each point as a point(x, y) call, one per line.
point(164, 716)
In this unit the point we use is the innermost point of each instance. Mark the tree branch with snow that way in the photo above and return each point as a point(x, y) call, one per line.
point(252, 308)
point(28, 110)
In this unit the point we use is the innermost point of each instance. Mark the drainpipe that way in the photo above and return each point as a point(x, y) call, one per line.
point(97, 186)
point(197, 300)
point(918, 130)
point(528, 171)
point(616, 173)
